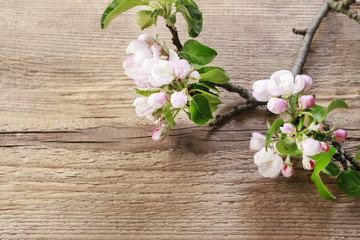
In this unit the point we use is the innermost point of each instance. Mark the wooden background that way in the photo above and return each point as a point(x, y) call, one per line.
point(77, 163)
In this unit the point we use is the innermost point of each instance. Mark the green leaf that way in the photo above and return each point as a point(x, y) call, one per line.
point(168, 114)
point(323, 159)
point(286, 146)
point(144, 19)
point(273, 128)
point(200, 110)
point(197, 53)
point(322, 190)
point(357, 156)
point(318, 112)
point(209, 85)
point(171, 20)
point(214, 74)
point(332, 169)
point(146, 92)
point(336, 103)
point(117, 7)
point(301, 123)
point(192, 15)
point(349, 182)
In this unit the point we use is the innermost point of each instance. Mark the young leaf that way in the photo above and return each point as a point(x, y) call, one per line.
point(203, 90)
point(209, 85)
point(146, 92)
point(357, 156)
point(168, 114)
point(144, 19)
point(273, 128)
point(192, 15)
point(323, 159)
point(322, 190)
point(117, 7)
point(318, 113)
point(200, 110)
point(286, 146)
point(197, 53)
point(336, 103)
point(349, 182)
point(332, 169)
point(215, 75)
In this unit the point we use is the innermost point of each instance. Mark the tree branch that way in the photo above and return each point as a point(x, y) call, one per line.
point(343, 7)
point(237, 89)
point(175, 37)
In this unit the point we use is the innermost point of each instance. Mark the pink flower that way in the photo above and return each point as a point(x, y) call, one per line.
point(146, 38)
point(281, 83)
point(182, 68)
point(288, 128)
point(302, 83)
point(158, 135)
point(287, 170)
point(142, 107)
point(257, 141)
point(340, 135)
point(269, 164)
point(277, 105)
point(178, 99)
point(325, 147)
point(260, 91)
point(308, 83)
point(157, 100)
point(307, 101)
point(308, 164)
point(311, 147)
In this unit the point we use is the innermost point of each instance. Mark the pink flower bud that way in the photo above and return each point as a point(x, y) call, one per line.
point(311, 147)
point(287, 170)
point(157, 100)
point(277, 105)
point(182, 68)
point(316, 128)
point(257, 142)
point(308, 83)
point(308, 164)
point(307, 101)
point(178, 100)
point(288, 128)
point(158, 135)
point(325, 147)
point(340, 135)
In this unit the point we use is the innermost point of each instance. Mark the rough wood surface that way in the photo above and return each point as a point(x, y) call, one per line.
point(76, 162)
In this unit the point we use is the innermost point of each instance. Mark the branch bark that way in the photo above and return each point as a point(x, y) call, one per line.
point(175, 37)
point(343, 7)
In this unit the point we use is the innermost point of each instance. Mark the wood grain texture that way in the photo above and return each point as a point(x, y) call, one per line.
point(76, 162)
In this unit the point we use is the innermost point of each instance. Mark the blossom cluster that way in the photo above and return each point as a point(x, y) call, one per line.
point(299, 132)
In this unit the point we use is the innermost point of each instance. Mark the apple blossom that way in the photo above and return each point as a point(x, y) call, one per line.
point(142, 107)
point(340, 135)
point(307, 101)
point(287, 170)
point(308, 83)
point(269, 164)
point(178, 99)
point(325, 147)
point(182, 68)
point(308, 163)
point(257, 141)
point(146, 38)
point(158, 135)
point(281, 83)
point(288, 128)
point(260, 91)
point(157, 100)
point(277, 105)
point(156, 49)
point(316, 128)
point(311, 147)
point(195, 75)
point(162, 73)
point(299, 83)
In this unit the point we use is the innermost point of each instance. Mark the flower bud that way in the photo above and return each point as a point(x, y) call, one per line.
point(316, 128)
point(195, 75)
point(287, 170)
point(142, 107)
point(178, 99)
point(308, 164)
point(325, 147)
point(257, 141)
point(311, 147)
point(182, 68)
point(158, 135)
point(260, 91)
point(308, 83)
point(307, 101)
point(340, 135)
point(277, 105)
point(299, 83)
point(157, 100)
point(287, 128)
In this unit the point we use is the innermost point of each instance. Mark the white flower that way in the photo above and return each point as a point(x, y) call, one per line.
point(257, 141)
point(157, 100)
point(162, 73)
point(141, 51)
point(178, 99)
point(142, 107)
point(260, 91)
point(311, 147)
point(182, 68)
point(308, 164)
point(269, 163)
point(281, 82)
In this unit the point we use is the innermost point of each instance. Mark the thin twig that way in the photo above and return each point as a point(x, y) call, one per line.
point(340, 155)
point(343, 7)
point(311, 30)
point(299, 31)
point(237, 89)
point(175, 37)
